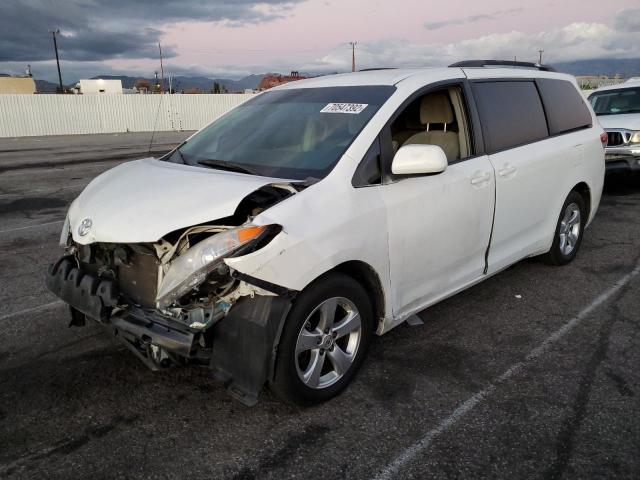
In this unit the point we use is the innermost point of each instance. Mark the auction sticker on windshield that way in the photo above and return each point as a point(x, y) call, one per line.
point(354, 108)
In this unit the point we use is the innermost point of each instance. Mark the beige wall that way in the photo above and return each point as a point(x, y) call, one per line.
point(17, 85)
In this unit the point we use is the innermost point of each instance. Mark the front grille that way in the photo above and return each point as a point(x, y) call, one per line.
point(614, 139)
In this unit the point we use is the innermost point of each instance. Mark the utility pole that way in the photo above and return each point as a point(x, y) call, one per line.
point(540, 59)
point(353, 55)
point(55, 46)
point(161, 69)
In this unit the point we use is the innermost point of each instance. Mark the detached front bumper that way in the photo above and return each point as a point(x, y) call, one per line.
point(622, 159)
point(147, 333)
point(93, 297)
point(240, 348)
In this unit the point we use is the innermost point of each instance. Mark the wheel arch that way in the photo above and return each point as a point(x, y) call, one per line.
point(366, 276)
point(585, 192)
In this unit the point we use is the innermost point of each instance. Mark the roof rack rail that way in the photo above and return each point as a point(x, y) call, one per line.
point(502, 63)
point(376, 68)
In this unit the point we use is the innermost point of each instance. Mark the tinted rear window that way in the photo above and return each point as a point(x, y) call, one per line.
point(511, 113)
point(565, 107)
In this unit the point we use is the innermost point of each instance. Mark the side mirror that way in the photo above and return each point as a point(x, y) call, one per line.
point(419, 159)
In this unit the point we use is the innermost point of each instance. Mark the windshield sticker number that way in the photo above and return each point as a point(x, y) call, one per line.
point(353, 108)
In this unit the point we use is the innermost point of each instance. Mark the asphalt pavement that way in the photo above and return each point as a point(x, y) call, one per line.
point(534, 373)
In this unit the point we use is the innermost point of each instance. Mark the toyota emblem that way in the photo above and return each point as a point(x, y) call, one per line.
point(85, 227)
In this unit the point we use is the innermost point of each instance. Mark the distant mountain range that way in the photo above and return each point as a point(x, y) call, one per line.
point(605, 66)
point(45, 86)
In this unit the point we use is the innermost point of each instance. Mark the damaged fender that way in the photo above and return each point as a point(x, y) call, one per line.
point(321, 237)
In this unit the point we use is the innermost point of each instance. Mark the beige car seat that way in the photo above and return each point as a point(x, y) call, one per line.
point(436, 108)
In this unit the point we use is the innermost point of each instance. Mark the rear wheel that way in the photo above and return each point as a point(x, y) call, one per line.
point(569, 231)
point(324, 340)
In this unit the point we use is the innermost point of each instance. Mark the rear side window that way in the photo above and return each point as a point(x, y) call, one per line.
point(565, 107)
point(511, 113)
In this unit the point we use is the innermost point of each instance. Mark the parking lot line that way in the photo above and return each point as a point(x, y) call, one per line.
point(9, 230)
point(32, 309)
point(425, 441)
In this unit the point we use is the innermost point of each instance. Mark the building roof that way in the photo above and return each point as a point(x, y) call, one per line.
point(272, 80)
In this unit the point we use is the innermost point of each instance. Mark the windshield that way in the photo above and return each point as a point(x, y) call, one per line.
point(292, 133)
point(615, 102)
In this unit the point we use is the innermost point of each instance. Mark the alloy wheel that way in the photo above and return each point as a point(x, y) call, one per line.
point(328, 342)
point(570, 229)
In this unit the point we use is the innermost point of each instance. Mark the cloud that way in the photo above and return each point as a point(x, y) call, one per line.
point(135, 49)
point(577, 41)
point(628, 20)
point(472, 18)
point(93, 30)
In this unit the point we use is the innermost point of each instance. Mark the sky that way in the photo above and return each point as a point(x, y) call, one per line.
point(234, 38)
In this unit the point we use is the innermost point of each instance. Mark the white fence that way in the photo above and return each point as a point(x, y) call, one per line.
point(27, 115)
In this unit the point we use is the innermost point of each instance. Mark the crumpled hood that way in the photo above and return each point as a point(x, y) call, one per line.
point(143, 200)
point(628, 121)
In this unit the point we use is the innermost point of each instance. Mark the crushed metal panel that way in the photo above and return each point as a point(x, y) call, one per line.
point(143, 200)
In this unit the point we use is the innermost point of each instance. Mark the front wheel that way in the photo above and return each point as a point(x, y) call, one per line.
point(324, 341)
point(569, 231)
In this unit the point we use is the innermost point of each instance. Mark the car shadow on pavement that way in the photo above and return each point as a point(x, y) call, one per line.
point(619, 185)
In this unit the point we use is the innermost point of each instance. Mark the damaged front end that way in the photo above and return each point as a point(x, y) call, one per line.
point(176, 302)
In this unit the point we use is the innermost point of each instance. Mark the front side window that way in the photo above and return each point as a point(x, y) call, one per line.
point(436, 118)
point(616, 102)
point(292, 133)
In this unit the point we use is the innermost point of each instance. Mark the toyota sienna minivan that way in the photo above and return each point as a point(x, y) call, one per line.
point(274, 243)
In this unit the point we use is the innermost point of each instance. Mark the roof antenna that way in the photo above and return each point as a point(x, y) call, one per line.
point(155, 123)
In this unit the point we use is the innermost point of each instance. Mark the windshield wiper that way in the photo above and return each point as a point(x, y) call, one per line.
point(222, 165)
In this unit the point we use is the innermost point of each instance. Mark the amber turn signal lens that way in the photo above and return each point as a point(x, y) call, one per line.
point(249, 233)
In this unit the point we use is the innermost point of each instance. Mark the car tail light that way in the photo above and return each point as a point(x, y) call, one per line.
point(604, 138)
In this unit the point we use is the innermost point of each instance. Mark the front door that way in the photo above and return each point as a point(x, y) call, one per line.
point(439, 230)
point(439, 225)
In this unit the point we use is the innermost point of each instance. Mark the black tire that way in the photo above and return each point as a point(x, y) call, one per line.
point(557, 255)
point(288, 384)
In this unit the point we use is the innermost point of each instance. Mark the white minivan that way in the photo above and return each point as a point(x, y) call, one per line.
point(272, 244)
